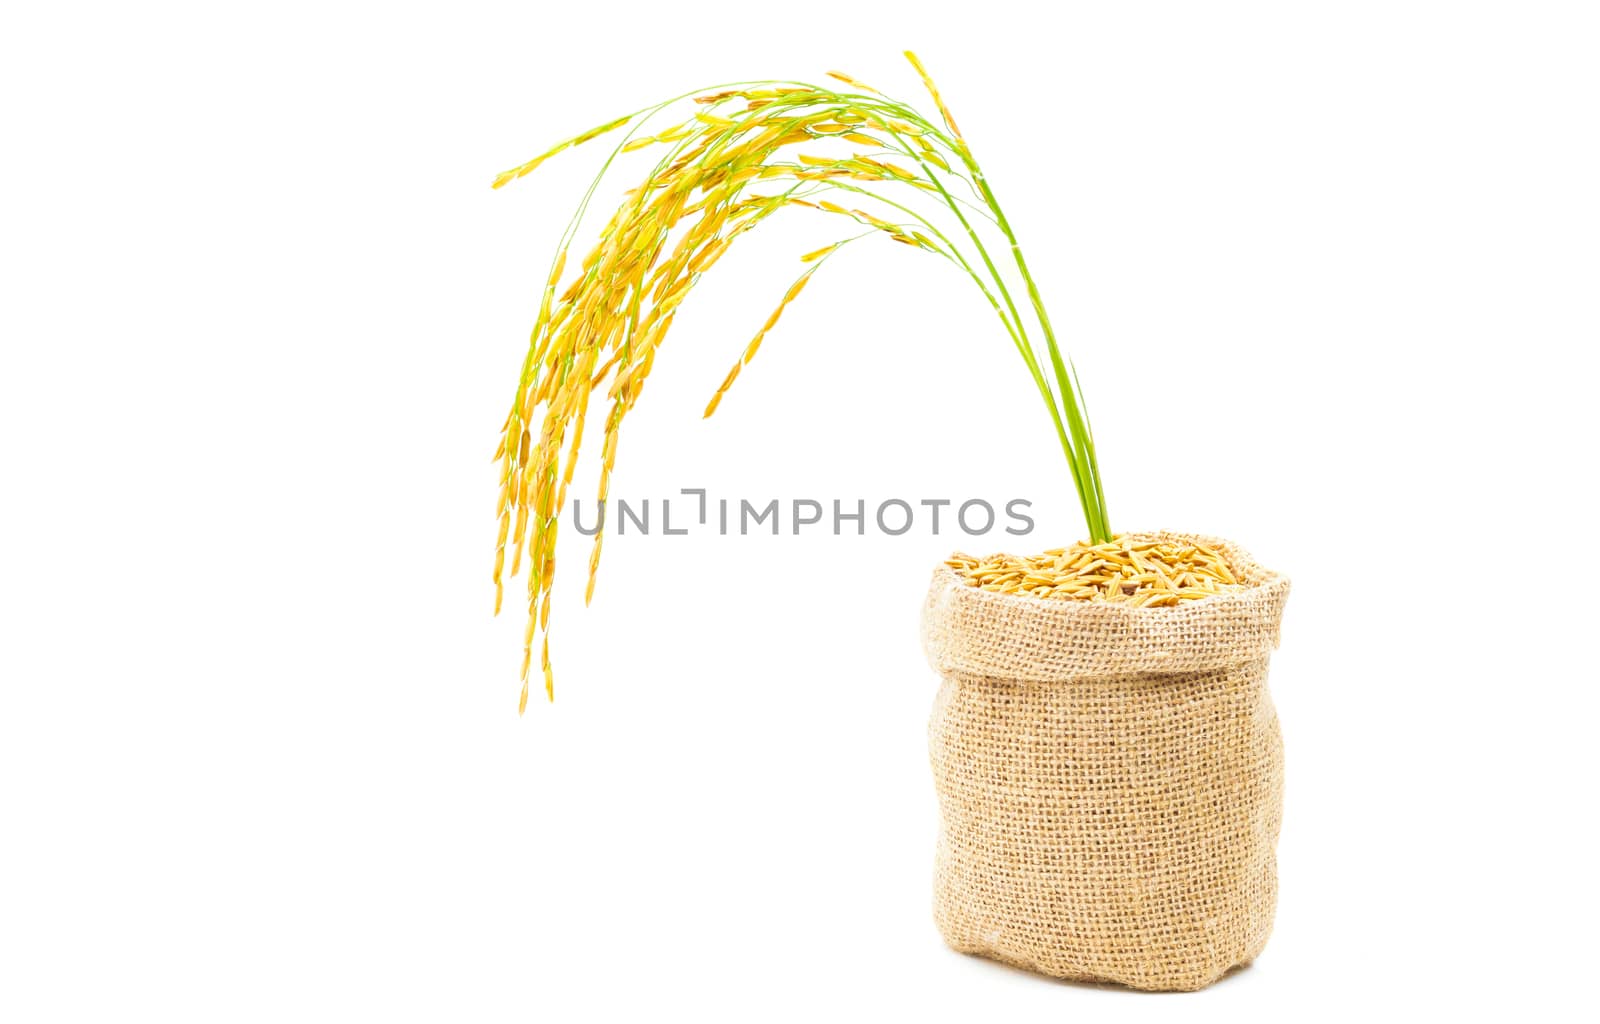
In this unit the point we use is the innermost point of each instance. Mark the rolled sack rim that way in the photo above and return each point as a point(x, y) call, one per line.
point(970, 631)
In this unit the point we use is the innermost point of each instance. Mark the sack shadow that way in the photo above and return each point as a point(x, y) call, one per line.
point(1104, 986)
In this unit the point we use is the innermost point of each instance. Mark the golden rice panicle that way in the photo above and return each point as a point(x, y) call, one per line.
point(617, 310)
point(718, 171)
point(772, 321)
point(522, 171)
point(933, 90)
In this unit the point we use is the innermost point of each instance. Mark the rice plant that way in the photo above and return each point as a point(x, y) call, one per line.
point(845, 152)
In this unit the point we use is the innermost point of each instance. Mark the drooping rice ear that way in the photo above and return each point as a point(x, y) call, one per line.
point(616, 312)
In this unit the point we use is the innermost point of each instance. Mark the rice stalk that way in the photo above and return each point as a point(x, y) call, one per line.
point(720, 171)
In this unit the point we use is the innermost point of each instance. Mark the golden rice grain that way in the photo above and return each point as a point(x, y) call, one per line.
point(1144, 574)
point(847, 80)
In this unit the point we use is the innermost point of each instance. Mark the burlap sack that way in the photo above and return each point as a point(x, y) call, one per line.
point(1110, 779)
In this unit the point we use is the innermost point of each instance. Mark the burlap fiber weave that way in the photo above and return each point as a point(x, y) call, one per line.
point(1110, 779)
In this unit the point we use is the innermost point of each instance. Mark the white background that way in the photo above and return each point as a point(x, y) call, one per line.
point(1329, 276)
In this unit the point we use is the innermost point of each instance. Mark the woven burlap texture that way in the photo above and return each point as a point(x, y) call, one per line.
point(1110, 779)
